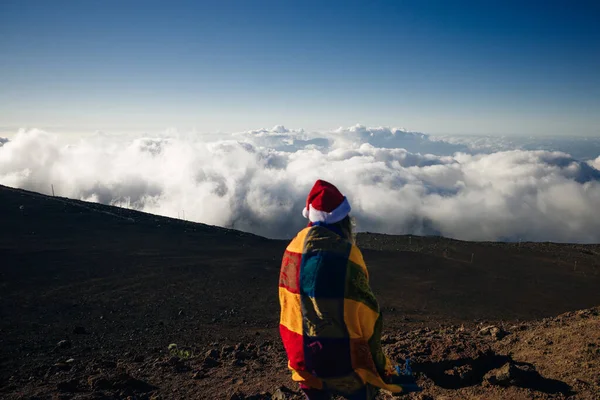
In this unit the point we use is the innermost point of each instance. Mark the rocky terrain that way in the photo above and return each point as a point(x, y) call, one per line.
point(98, 302)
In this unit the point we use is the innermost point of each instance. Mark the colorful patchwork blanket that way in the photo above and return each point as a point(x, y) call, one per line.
point(330, 320)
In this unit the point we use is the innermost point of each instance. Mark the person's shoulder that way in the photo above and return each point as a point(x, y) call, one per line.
point(356, 256)
point(297, 243)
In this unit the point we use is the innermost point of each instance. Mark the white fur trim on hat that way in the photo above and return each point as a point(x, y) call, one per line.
point(328, 217)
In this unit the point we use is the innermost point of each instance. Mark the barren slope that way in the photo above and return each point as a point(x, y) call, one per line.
point(119, 286)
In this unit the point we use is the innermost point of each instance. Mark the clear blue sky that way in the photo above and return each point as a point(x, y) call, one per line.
point(447, 67)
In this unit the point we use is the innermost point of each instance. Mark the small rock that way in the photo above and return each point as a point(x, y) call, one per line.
point(463, 372)
point(210, 363)
point(497, 333)
point(62, 366)
point(64, 344)
point(127, 382)
point(242, 355)
point(212, 354)
point(422, 396)
point(386, 339)
point(99, 383)
point(70, 361)
point(281, 393)
point(499, 376)
point(225, 350)
point(486, 330)
point(494, 331)
point(198, 375)
point(510, 374)
point(259, 396)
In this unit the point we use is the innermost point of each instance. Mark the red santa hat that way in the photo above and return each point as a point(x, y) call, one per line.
point(326, 204)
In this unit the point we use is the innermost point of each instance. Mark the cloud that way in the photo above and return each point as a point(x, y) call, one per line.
point(581, 148)
point(257, 181)
point(281, 138)
point(3, 141)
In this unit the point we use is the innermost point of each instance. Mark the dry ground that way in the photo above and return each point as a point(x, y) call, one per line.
point(91, 296)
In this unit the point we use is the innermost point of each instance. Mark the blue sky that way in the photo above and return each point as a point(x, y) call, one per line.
point(441, 67)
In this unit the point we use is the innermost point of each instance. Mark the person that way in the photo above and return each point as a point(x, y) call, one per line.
point(330, 322)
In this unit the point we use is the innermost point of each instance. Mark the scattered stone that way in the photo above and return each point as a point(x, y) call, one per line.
point(70, 361)
point(62, 366)
point(239, 363)
point(281, 393)
point(99, 382)
point(422, 396)
point(210, 363)
point(463, 372)
point(226, 351)
point(212, 354)
point(498, 333)
point(127, 382)
point(511, 375)
point(198, 375)
point(494, 331)
point(583, 313)
point(387, 339)
point(259, 396)
point(242, 355)
point(486, 330)
point(64, 344)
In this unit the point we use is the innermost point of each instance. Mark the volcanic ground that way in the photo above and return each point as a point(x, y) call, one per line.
point(99, 302)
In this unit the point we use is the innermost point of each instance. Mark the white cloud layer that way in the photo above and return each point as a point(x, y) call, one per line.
point(257, 181)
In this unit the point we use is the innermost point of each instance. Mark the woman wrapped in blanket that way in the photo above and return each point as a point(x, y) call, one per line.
point(330, 321)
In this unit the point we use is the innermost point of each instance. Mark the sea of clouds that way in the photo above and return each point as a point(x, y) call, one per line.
point(400, 182)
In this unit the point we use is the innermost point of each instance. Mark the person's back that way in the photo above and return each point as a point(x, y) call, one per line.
point(330, 320)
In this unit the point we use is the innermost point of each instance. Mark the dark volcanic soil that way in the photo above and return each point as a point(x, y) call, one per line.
point(92, 296)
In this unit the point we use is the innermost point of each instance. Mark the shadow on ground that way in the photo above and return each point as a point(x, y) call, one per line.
point(489, 369)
